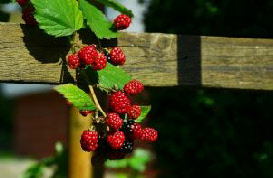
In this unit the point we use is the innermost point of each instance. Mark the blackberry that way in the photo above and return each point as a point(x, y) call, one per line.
point(137, 131)
point(117, 57)
point(122, 22)
point(89, 140)
point(87, 55)
point(102, 143)
point(134, 112)
point(73, 61)
point(115, 155)
point(98, 159)
point(134, 87)
point(85, 113)
point(113, 120)
point(116, 139)
point(127, 127)
point(107, 54)
point(149, 134)
point(127, 147)
point(99, 62)
point(119, 102)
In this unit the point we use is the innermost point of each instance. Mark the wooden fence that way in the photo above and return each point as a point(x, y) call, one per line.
point(28, 55)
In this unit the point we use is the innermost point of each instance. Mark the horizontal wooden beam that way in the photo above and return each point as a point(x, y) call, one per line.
point(28, 55)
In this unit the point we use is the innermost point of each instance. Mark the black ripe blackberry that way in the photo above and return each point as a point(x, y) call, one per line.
point(127, 147)
point(107, 56)
point(102, 143)
point(127, 127)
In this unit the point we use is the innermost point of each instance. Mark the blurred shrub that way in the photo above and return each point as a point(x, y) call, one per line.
point(244, 18)
point(213, 133)
point(209, 132)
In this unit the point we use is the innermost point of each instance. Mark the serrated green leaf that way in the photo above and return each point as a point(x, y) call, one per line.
point(97, 21)
point(117, 6)
point(144, 111)
point(112, 76)
point(76, 96)
point(58, 17)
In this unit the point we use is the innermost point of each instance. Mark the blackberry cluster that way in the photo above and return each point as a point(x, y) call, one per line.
point(90, 56)
point(117, 140)
point(87, 56)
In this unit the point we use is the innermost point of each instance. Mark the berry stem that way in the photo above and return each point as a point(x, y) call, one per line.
point(92, 92)
point(95, 99)
point(70, 38)
point(73, 42)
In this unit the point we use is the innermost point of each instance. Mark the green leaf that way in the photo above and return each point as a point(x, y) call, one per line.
point(76, 96)
point(136, 165)
point(36, 170)
point(97, 21)
point(58, 17)
point(122, 163)
point(144, 111)
point(111, 76)
point(142, 155)
point(117, 6)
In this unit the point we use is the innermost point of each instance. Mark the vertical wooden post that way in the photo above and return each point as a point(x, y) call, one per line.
point(79, 165)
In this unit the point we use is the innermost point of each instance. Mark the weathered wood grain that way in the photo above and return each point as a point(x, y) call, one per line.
point(30, 56)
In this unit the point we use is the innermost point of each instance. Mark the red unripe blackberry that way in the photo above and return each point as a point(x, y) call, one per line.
point(134, 112)
point(116, 139)
point(114, 121)
point(149, 134)
point(28, 16)
point(134, 87)
point(22, 2)
point(85, 113)
point(73, 61)
point(89, 140)
point(119, 102)
point(99, 62)
point(137, 131)
point(117, 56)
point(122, 22)
point(88, 54)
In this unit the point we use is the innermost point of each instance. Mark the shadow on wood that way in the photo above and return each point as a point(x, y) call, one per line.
point(47, 49)
point(189, 60)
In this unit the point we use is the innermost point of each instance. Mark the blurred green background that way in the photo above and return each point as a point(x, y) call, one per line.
point(203, 132)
